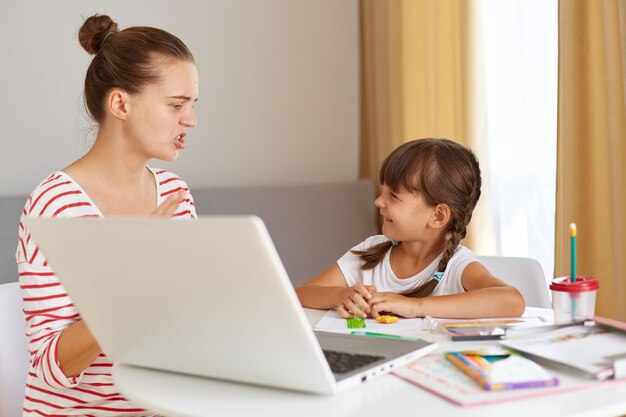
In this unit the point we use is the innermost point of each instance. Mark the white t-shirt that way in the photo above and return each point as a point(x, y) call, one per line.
point(383, 278)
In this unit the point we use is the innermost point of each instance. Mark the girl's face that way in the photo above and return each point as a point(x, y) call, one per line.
point(405, 215)
point(162, 112)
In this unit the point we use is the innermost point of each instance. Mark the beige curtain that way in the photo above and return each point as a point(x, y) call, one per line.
point(421, 77)
point(381, 83)
point(591, 156)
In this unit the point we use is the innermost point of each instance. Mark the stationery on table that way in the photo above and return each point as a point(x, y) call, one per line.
point(572, 228)
point(598, 351)
point(385, 335)
point(573, 297)
point(480, 329)
point(333, 322)
point(435, 374)
point(457, 329)
point(572, 231)
point(356, 322)
point(494, 369)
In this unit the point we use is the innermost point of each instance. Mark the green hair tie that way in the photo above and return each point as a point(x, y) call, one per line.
point(104, 39)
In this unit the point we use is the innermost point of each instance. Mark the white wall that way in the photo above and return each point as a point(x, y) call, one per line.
point(278, 88)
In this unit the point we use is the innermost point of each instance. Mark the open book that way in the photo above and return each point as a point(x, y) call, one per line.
point(595, 350)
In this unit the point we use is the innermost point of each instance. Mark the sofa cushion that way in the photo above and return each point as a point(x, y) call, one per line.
point(10, 211)
point(311, 225)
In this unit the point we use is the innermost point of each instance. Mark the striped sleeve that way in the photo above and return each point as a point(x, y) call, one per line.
point(47, 307)
point(49, 310)
point(169, 183)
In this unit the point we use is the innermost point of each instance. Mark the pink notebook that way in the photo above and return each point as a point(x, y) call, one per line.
point(438, 376)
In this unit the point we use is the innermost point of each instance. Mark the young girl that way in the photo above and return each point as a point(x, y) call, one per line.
point(139, 89)
point(417, 267)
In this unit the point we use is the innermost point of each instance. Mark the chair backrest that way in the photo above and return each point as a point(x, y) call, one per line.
point(13, 351)
point(525, 274)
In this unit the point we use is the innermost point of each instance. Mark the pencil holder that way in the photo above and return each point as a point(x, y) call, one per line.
point(574, 301)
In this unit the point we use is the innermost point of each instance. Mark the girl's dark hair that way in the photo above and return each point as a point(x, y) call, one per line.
point(442, 172)
point(127, 59)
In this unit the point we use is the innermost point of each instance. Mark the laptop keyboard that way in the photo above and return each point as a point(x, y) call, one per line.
point(342, 362)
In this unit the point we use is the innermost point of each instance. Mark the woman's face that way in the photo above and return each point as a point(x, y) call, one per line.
point(160, 115)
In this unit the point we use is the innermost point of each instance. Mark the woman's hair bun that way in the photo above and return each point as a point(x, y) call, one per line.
point(94, 31)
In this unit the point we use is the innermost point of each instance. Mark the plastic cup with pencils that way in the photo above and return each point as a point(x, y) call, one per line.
point(573, 297)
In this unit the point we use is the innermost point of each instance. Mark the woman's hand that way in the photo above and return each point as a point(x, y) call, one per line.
point(355, 301)
point(391, 302)
point(170, 205)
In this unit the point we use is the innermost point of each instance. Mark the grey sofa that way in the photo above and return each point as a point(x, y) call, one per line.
point(311, 225)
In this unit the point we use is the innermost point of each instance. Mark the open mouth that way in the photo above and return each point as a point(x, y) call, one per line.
point(179, 141)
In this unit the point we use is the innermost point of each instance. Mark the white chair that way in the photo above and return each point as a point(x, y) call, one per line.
point(13, 351)
point(525, 274)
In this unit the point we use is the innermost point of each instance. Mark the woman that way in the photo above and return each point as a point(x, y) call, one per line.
point(139, 88)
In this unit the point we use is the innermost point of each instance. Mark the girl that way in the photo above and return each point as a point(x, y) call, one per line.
point(417, 267)
point(139, 88)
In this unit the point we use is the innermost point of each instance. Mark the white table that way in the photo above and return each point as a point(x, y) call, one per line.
point(188, 396)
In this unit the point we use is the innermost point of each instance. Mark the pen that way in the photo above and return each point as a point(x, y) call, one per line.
point(385, 336)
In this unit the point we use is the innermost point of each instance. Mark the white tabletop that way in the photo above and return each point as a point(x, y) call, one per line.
point(181, 395)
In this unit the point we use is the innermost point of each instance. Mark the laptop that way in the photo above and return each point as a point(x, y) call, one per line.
point(207, 297)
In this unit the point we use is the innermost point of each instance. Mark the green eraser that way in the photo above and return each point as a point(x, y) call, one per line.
point(356, 323)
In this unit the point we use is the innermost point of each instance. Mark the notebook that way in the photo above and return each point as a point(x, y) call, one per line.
point(207, 297)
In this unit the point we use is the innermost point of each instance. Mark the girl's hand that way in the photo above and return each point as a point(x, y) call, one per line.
point(169, 206)
point(391, 302)
point(355, 301)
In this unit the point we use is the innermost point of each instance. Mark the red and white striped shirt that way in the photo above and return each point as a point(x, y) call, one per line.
point(48, 309)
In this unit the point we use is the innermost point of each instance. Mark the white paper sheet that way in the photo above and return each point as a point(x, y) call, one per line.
point(333, 322)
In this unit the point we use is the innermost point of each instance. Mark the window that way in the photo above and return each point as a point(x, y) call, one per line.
point(520, 46)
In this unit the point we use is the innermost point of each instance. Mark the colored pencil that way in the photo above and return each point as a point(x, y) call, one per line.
point(478, 368)
point(572, 229)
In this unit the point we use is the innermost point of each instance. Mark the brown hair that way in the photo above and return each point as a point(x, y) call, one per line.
point(442, 172)
point(127, 59)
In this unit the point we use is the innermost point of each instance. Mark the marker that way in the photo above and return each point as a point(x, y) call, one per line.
point(386, 336)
